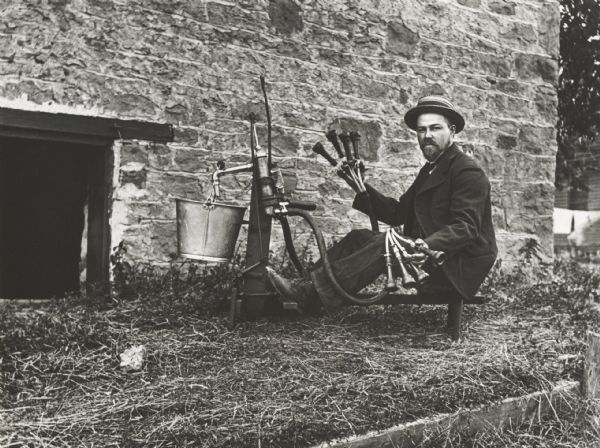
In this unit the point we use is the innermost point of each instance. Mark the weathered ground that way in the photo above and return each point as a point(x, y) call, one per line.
point(282, 381)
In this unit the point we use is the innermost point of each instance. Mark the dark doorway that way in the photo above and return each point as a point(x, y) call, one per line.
point(51, 165)
point(44, 186)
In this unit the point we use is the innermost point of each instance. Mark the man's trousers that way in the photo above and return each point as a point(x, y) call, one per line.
point(357, 260)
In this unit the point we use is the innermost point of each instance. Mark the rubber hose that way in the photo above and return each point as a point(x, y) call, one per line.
point(327, 265)
point(289, 244)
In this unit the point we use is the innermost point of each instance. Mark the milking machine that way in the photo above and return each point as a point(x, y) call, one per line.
point(208, 230)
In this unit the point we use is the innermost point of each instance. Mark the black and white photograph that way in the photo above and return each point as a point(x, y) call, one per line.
point(300, 223)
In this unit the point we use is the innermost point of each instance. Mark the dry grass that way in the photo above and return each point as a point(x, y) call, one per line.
point(570, 427)
point(275, 382)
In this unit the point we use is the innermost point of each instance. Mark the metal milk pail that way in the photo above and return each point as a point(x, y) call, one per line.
point(207, 231)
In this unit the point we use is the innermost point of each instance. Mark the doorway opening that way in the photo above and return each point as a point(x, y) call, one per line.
point(55, 181)
point(45, 189)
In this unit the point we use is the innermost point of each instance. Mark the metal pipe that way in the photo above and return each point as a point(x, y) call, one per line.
point(319, 149)
point(407, 280)
point(390, 284)
point(345, 139)
point(221, 172)
point(268, 110)
point(333, 139)
point(355, 138)
point(438, 258)
point(265, 181)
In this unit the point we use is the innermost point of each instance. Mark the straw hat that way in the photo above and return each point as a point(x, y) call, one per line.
point(434, 104)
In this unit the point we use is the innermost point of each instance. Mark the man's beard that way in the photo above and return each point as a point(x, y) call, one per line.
point(431, 151)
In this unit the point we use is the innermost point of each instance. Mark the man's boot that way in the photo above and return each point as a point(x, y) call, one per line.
point(300, 291)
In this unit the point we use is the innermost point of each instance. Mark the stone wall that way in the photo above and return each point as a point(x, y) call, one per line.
point(355, 63)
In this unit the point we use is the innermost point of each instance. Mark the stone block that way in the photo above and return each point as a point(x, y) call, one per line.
point(190, 160)
point(151, 210)
point(492, 64)
point(335, 226)
point(391, 183)
point(400, 155)
point(328, 188)
point(470, 3)
point(468, 98)
point(39, 94)
point(295, 49)
point(162, 185)
point(346, 21)
point(546, 103)
point(335, 198)
point(527, 167)
point(497, 193)
point(159, 156)
point(225, 140)
point(537, 140)
point(433, 89)
point(285, 16)
point(489, 159)
point(389, 64)
point(511, 86)
point(290, 181)
point(368, 88)
point(519, 35)
point(509, 106)
point(334, 57)
point(163, 240)
point(483, 45)
point(431, 52)
point(503, 7)
point(370, 134)
point(133, 151)
point(504, 142)
point(404, 96)
point(526, 201)
point(176, 113)
point(498, 218)
point(134, 173)
point(536, 227)
point(508, 127)
point(401, 40)
point(367, 45)
point(243, 109)
point(533, 66)
point(284, 142)
point(311, 166)
point(304, 118)
point(128, 104)
point(549, 28)
point(187, 136)
point(510, 246)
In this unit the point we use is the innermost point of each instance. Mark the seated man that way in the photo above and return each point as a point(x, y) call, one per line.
point(447, 208)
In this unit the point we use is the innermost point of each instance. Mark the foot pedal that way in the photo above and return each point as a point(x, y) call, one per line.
point(293, 306)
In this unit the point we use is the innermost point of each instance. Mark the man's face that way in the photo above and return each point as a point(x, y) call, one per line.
point(435, 135)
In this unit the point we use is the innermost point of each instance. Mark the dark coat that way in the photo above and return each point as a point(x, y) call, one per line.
point(451, 210)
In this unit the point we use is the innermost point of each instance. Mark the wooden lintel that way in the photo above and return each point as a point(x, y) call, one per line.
point(16, 122)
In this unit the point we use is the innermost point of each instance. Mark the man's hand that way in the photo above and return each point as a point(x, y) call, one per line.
point(420, 244)
point(349, 181)
point(418, 257)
